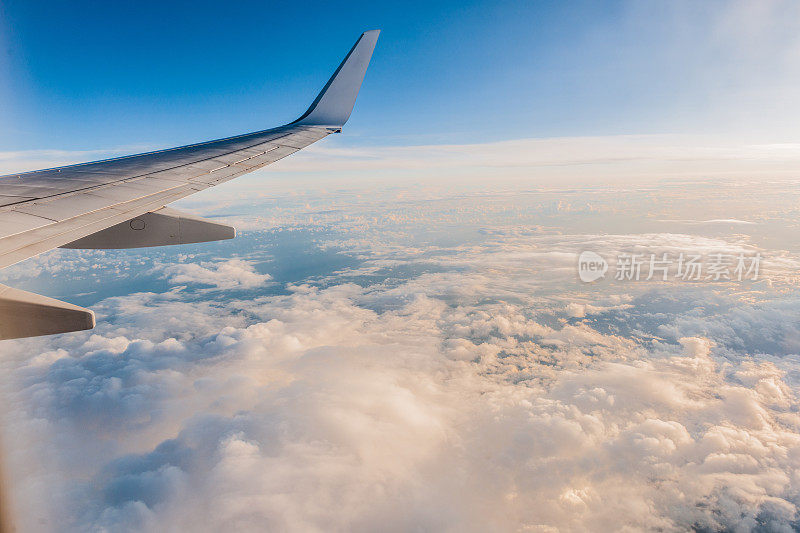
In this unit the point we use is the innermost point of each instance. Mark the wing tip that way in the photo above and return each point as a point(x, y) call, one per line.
point(335, 102)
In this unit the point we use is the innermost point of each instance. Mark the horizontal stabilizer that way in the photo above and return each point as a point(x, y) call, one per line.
point(160, 228)
point(25, 314)
point(335, 102)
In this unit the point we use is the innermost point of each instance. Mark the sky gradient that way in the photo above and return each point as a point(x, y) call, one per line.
point(108, 75)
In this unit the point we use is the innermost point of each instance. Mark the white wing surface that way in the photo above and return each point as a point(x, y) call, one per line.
point(120, 203)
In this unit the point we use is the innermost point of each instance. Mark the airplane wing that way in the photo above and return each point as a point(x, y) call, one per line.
point(120, 203)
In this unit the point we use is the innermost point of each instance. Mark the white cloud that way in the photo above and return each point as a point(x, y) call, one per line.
point(615, 159)
point(324, 415)
point(480, 387)
point(229, 274)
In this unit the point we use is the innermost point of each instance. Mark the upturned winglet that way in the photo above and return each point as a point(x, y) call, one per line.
point(335, 102)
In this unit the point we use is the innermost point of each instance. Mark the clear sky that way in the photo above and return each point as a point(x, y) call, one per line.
point(110, 75)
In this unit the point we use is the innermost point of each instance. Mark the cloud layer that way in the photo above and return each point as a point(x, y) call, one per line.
point(436, 381)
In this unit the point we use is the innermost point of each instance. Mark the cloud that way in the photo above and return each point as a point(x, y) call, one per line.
point(229, 274)
point(322, 415)
point(458, 382)
point(615, 158)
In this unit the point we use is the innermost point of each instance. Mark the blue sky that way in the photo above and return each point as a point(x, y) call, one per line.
point(104, 75)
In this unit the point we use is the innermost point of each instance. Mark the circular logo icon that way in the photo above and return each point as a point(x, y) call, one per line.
point(591, 266)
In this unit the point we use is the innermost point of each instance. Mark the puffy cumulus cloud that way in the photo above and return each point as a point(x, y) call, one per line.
point(666, 443)
point(322, 412)
point(439, 383)
point(230, 274)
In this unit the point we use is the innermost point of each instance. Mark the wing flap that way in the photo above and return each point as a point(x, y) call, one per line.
point(13, 222)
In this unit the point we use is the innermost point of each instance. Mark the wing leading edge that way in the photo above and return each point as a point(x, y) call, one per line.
point(66, 206)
